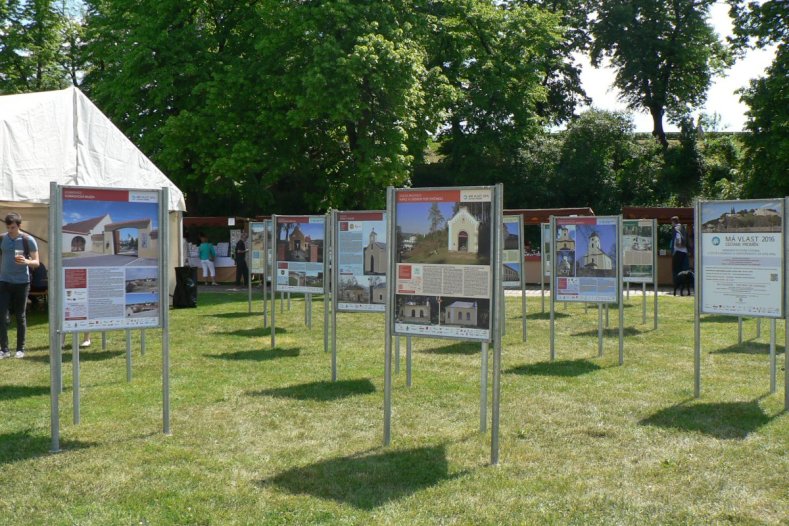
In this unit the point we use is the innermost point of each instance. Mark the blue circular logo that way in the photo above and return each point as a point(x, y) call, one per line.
point(716, 241)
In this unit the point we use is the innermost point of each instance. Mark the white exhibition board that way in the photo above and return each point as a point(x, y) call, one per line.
point(586, 259)
point(741, 269)
point(299, 253)
point(110, 259)
point(443, 262)
point(108, 249)
point(545, 249)
point(639, 240)
point(741, 253)
point(445, 266)
point(512, 253)
point(360, 253)
point(257, 248)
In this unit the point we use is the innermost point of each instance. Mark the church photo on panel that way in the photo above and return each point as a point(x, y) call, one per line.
point(595, 253)
point(451, 233)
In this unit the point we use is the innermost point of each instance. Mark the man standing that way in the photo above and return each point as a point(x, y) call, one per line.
point(680, 260)
point(242, 270)
point(18, 252)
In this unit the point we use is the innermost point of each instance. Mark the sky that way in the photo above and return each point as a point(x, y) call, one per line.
point(721, 99)
point(414, 218)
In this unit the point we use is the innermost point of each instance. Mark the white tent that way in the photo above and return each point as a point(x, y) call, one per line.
point(62, 136)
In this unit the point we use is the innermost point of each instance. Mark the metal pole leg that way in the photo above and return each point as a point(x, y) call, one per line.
point(483, 390)
point(408, 361)
point(75, 374)
point(599, 330)
point(773, 365)
point(397, 355)
point(128, 357)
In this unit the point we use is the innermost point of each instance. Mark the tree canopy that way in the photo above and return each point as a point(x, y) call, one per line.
point(767, 97)
point(665, 54)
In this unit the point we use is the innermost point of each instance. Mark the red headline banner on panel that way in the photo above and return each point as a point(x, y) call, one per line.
point(586, 220)
point(360, 216)
point(292, 219)
point(428, 196)
point(84, 194)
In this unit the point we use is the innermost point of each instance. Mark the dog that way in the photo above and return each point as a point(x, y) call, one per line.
point(684, 280)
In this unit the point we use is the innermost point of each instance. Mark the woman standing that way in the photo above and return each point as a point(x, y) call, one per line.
point(207, 254)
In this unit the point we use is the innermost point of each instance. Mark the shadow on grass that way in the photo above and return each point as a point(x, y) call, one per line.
point(233, 315)
point(367, 481)
point(546, 315)
point(464, 348)
point(23, 445)
point(85, 355)
point(255, 331)
point(559, 368)
point(12, 392)
point(750, 347)
point(719, 318)
point(257, 355)
point(321, 391)
point(723, 420)
point(610, 332)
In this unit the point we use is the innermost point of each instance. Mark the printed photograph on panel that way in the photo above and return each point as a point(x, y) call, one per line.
point(565, 250)
point(511, 236)
point(465, 312)
point(142, 279)
point(511, 273)
point(361, 289)
point(637, 247)
point(300, 242)
point(374, 248)
point(109, 233)
point(419, 310)
point(444, 233)
point(748, 216)
point(142, 305)
point(595, 254)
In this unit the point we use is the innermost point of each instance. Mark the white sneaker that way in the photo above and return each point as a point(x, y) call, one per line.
point(84, 344)
point(19, 354)
point(5, 354)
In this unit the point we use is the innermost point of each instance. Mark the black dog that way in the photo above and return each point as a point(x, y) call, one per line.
point(684, 280)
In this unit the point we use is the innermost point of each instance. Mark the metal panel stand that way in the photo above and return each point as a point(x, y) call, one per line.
point(697, 305)
point(643, 303)
point(408, 361)
point(600, 330)
point(397, 355)
point(773, 365)
point(483, 390)
point(128, 356)
point(75, 375)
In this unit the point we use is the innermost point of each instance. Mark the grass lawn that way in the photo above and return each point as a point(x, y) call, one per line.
point(261, 436)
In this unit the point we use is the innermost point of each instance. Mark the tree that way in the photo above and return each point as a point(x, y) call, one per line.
point(766, 162)
point(602, 166)
point(298, 104)
point(31, 54)
point(493, 56)
point(435, 217)
point(665, 55)
point(561, 73)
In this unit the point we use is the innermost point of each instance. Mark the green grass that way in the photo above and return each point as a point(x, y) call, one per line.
point(262, 436)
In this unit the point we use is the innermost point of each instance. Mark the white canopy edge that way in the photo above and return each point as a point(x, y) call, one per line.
point(62, 136)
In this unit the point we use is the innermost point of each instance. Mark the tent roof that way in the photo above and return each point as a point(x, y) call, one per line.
point(62, 136)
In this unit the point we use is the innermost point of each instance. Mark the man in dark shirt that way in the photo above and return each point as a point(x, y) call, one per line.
point(242, 271)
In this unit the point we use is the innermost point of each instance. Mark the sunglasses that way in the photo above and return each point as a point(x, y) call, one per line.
point(9, 223)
